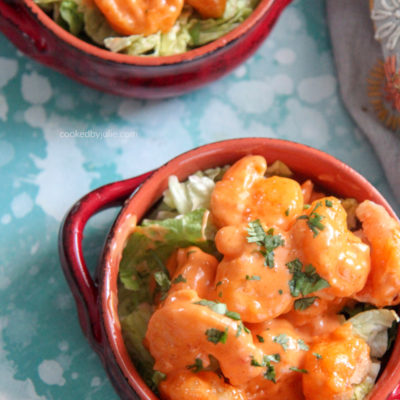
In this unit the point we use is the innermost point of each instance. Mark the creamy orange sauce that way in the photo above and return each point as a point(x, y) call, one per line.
point(245, 284)
point(198, 386)
point(343, 360)
point(273, 347)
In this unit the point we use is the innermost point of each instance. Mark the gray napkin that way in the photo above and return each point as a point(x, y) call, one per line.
point(356, 51)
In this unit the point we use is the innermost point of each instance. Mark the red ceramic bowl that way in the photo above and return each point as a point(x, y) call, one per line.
point(97, 300)
point(37, 35)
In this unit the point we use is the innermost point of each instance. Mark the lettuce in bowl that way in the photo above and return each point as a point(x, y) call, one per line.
point(84, 20)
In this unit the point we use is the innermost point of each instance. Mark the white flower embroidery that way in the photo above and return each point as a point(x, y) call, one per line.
point(386, 14)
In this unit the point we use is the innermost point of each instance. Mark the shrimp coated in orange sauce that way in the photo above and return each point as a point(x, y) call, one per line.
point(244, 195)
point(335, 364)
point(323, 240)
point(181, 331)
point(383, 235)
point(140, 17)
point(198, 386)
point(243, 281)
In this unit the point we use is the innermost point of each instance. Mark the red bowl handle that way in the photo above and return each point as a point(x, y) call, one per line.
point(82, 285)
point(21, 27)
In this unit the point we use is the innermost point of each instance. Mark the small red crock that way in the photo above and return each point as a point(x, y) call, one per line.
point(97, 300)
point(38, 36)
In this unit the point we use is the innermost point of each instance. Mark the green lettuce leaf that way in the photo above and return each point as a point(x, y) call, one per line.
point(373, 326)
point(194, 193)
point(71, 17)
point(150, 246)
point(134, 327)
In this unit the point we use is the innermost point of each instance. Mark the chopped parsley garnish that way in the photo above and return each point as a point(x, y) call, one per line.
point(283, 340)
point(314, 220)
point(306, 206)
point(260, 339)
point(179, 279)
point(304, 303)
point(233, 315)
point(253, 277)
point(270, 373)
point(163, 283)
point(280, 291)
point(266, 240)
point(216, 336)
point(198, 365)
point(317, 355)
point(287, 212)
point(328, 203)
point(158, 377)
point(220, 294)
point(302, 371)
point(218, 283)
point(302, 345)
point(241, 328)
point(219, 308)
point(304, 282)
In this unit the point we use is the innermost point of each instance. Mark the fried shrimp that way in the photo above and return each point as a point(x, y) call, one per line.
point(383, 235)
point(245, 283)
point(208, 8)
point(244, 194)
point(335, 364)
point(204, 385)
point(140, 17)
point(323, 240)
point(183, 330)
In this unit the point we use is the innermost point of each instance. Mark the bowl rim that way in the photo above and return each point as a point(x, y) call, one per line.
point(261, 10)
point(110, 320)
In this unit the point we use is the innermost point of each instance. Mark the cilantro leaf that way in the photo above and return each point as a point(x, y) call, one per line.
point(304, 282)
point(163, 283)
point(266, 240)
point(301, 370)
point(233, 315)
point(317, 355)
point(198, 365)
point(216, 336)
point(219, 308)
point(302, 345)
point(270, 373)
point(179, 279)
point(260, 339)
point(158, 377)
point(304, 303)
point(283, 340)
point(253, 277)
point(314, 220)
point(241, 328)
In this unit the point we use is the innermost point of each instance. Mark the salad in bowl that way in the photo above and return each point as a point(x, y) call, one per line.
point(148, 28)
point(248, 282)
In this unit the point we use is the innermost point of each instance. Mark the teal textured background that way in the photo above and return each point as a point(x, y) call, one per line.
point(287, 90)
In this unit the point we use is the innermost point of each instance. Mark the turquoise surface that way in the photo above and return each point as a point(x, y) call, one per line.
point(287, 90)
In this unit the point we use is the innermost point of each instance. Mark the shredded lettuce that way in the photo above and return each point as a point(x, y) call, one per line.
point(134, 327)
point(373, 326)
point(194, 193)
point(362, 390)
point(149, 247)
point(189, 31)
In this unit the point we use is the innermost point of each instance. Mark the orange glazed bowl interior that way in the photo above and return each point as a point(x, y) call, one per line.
point(328, 172)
